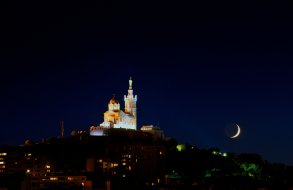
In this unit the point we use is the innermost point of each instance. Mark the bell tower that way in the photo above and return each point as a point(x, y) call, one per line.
point(130, 102)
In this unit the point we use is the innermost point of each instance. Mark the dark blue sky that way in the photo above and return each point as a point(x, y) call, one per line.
point(197, 67)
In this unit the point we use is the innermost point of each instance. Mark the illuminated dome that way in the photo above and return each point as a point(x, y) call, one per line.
point(113, 101)
point(113, 104)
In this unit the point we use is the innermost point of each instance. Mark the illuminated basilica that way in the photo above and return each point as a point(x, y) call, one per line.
point(114, 117)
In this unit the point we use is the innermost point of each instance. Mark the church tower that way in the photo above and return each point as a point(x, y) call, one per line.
point(130, 102)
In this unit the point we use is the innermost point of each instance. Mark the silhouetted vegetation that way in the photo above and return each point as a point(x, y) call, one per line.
point(215, 169)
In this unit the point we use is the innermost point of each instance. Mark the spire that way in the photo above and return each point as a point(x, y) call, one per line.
point(130, 84)
point(62, 128)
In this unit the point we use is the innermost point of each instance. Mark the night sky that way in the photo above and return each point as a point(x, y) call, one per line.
point(197, 68)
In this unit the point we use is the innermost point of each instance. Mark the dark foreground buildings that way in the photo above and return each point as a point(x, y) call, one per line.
point(129, 159)
point(122, 158)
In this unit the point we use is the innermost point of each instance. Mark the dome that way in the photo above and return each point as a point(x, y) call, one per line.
point(113, 101)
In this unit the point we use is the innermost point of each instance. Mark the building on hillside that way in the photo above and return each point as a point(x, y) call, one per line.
point(121, 156)
point(154, 130)
point(114, 117)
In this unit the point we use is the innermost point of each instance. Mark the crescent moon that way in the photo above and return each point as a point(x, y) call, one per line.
point(238, 132)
